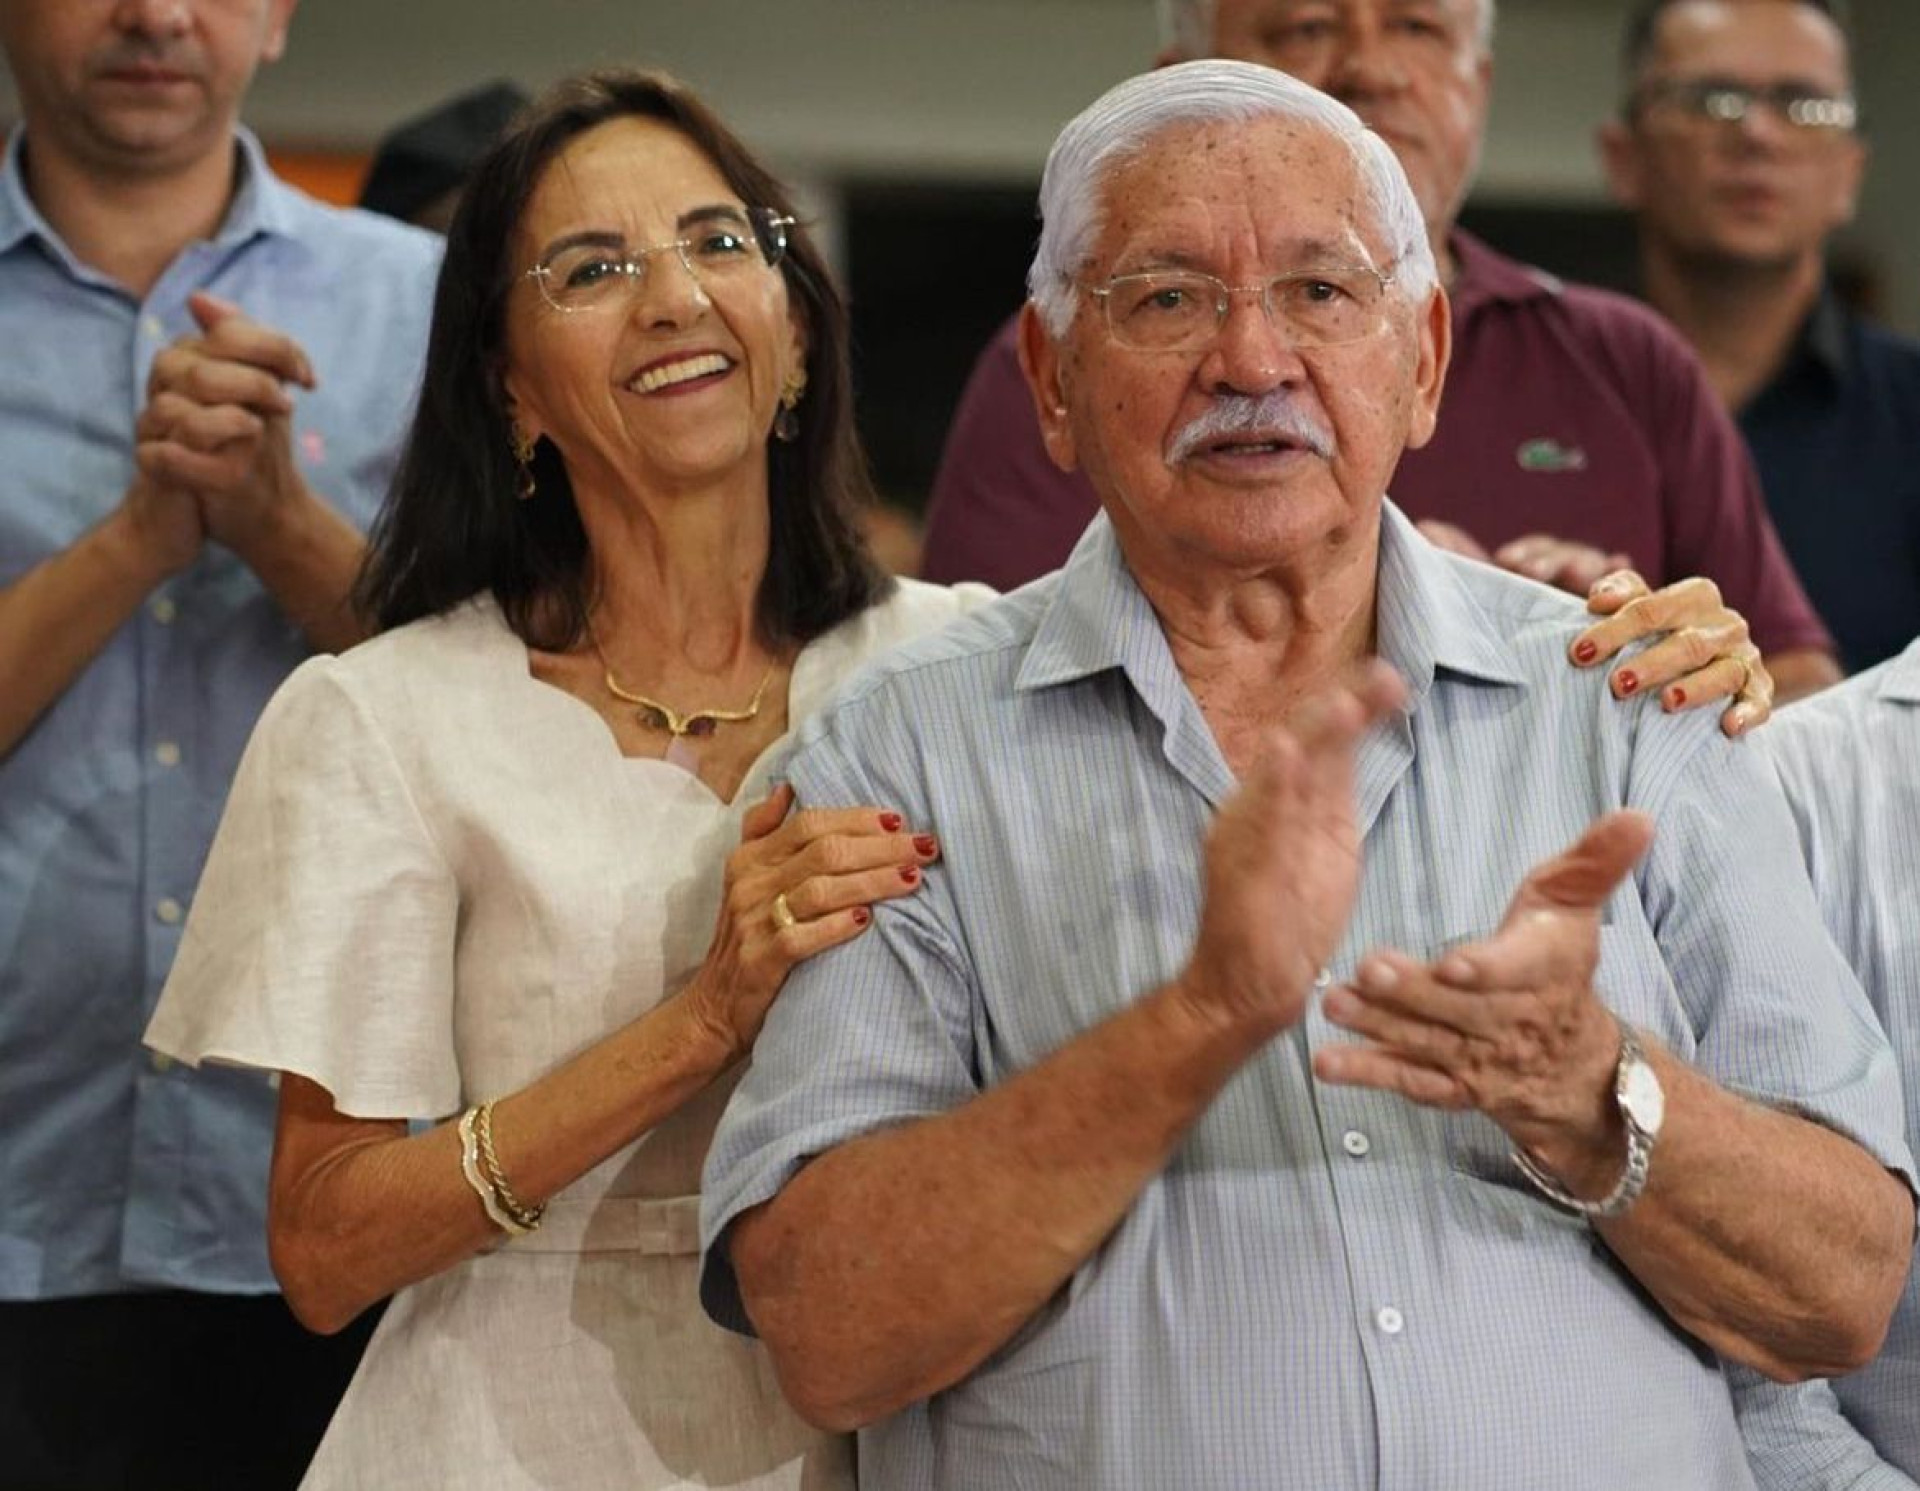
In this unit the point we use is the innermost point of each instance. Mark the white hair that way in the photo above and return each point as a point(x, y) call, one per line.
point(1186, 26)
point(1125, 120)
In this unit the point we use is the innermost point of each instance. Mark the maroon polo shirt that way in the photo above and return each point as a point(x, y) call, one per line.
point(1568, 410)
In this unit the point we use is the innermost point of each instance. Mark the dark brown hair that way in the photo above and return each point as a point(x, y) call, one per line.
point(453, 526)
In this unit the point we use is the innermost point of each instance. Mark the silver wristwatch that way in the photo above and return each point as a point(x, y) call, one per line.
point(1643, 1107)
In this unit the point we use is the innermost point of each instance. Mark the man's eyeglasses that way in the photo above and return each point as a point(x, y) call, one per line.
point(1184, 310)
point(1722, 101)
point(595, 272)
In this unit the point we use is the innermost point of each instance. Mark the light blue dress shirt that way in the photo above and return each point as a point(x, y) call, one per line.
point(117, 1171)
point(1849, 760)
point(1327, 1287)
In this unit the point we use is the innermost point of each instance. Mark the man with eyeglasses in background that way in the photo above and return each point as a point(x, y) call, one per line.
point(1739, 148)
point(1578, 435)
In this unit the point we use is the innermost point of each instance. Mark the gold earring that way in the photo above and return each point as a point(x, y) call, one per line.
point(523, 444)
point(786, 424)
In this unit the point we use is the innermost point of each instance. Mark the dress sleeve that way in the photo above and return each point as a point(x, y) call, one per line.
point(1798, 1439)
point(321, 938)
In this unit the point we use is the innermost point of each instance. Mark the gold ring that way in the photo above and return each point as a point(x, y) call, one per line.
point(783, 916)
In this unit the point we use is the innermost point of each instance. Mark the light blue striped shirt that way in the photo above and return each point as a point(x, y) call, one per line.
point(1327, 1287)
point(1849, 759)
point(119, 1171)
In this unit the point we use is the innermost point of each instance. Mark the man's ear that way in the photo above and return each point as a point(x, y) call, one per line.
point(1620, 159)
point(1040, 361)
point(1430, 371)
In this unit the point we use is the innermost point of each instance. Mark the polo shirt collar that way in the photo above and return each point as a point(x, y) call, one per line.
point(1482, 277)
point(262, 204)
point(1428, 619)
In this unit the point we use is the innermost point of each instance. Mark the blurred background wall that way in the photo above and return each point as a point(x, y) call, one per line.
point(916, 130)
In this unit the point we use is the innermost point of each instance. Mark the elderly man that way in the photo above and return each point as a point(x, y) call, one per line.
point(1738, 148)
point(1579, 433)
point(1126, 1156)
point(206, 383)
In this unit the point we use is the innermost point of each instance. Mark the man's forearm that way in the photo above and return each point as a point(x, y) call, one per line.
point(56, 618)
point(891, 1267)
point(1776, 1241)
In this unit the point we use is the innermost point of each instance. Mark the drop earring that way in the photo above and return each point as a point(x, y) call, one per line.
point(523, 444)
point(786, 424)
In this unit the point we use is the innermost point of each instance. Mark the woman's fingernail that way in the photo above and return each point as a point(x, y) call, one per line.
point(861, 916)
point(891, 822)
point(910, 874)
point(1677, 699)
point(1628, 682)
point(926, 844)
point(1586, 652)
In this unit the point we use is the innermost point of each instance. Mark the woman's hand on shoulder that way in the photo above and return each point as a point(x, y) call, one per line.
point(1704, 653)
point(798, 884)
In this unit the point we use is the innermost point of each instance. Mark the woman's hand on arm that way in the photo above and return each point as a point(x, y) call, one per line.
point(359, 1208)
point(1704, 653)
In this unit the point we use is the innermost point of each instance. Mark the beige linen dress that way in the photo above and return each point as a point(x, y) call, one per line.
point(437, 879)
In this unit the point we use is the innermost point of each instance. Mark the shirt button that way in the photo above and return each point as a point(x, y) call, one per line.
point(168, 910)
point(1356, 1143)
point(1323, 981)
point(153, 326)
point(1390, 1321)
point(159, 1060)
point(163, 609)
point(167, 753)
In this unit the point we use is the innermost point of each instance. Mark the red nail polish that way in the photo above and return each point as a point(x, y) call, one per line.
point(1679, 700)
point(1628, 683)
point(891, 822)
point(910, 874)
point(861, 916)
point(1586, 652)
point(926, 844)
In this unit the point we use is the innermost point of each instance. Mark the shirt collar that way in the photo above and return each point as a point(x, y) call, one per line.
point(262, 204)
point(1429, 621)
point(1901, 685)
point(1482, 277)
point(1823, 336)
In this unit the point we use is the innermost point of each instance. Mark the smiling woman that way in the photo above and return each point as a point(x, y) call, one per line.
point(473, 896)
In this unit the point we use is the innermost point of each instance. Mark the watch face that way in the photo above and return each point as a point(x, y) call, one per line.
point(1642, 1097)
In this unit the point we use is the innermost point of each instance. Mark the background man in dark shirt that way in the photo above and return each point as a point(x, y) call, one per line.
point(1739, 149)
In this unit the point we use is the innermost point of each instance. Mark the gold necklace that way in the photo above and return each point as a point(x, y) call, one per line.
point(698, 723)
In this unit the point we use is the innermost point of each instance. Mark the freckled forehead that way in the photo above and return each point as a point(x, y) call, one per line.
point(1198, 190)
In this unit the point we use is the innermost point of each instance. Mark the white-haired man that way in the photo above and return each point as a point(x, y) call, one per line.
point(1579, 432)
point(1126, 1156)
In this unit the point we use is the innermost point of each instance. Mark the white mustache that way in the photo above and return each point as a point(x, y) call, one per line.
point(1273, 416)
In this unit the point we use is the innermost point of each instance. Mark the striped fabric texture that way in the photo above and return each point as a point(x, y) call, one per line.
point(1849, 759)
point(1327, 1288)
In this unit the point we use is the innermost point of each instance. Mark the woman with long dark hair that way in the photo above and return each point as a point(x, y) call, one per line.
point(489, 895)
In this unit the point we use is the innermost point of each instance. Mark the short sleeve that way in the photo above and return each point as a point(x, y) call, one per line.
point(321, 937)
point(866, 1036)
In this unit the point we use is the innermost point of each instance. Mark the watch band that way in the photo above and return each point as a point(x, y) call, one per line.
point(1633, 1177)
